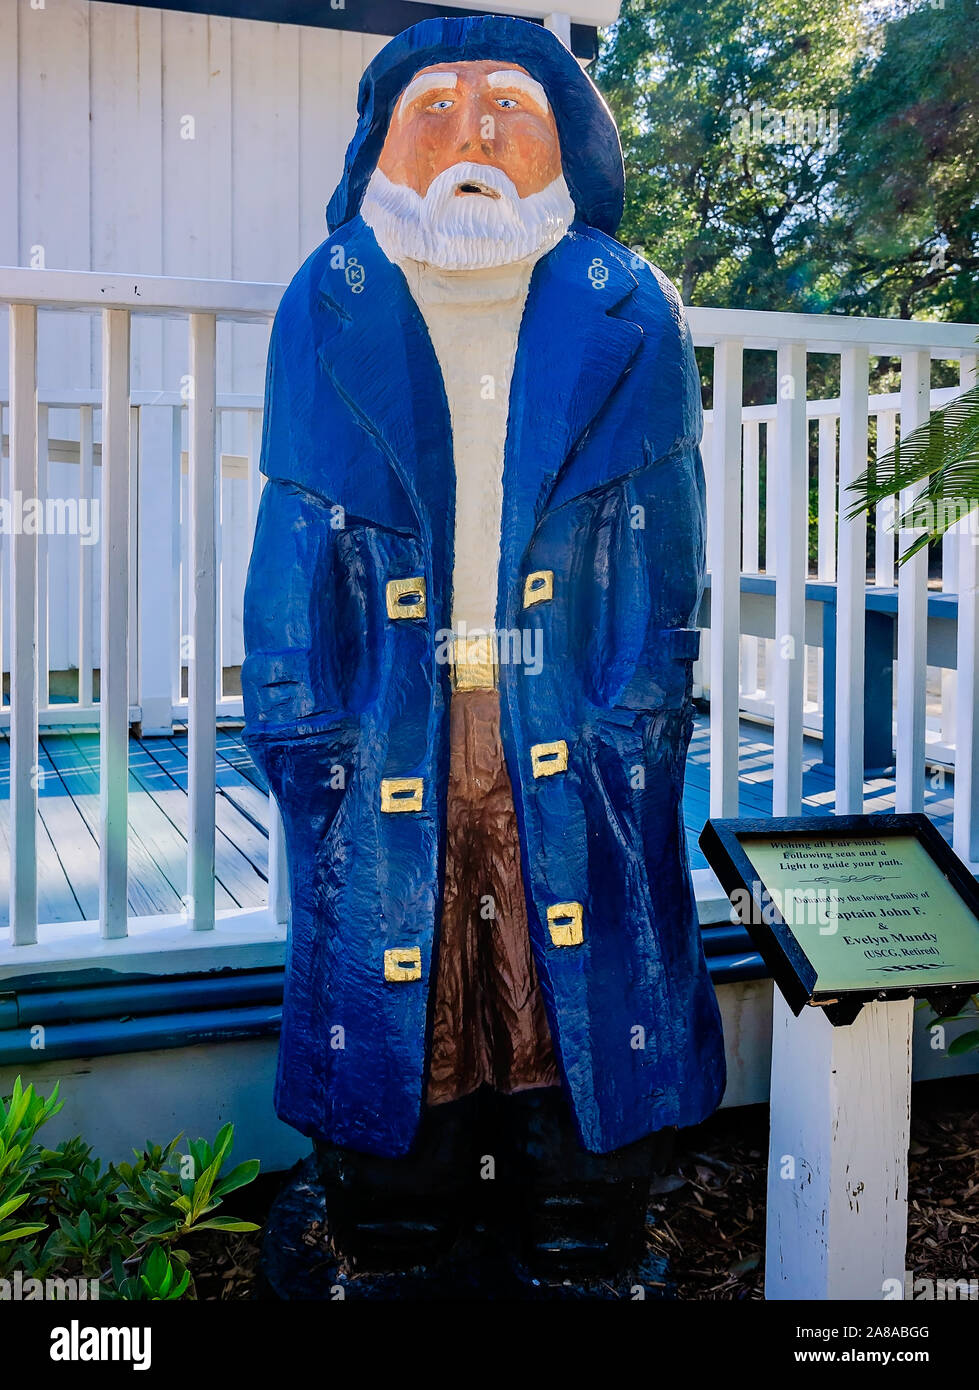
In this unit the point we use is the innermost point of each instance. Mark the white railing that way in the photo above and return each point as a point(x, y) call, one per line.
point(69, 470)
point(122, 620)
point(150, 630)
point(758, 653)
point(793, 336)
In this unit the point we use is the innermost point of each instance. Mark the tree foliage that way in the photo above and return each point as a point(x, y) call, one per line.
point(802, 154)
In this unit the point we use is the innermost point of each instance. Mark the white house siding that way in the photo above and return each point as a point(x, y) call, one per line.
point(96, 102)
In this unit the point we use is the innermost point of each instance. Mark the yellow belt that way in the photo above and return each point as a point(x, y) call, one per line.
point(474, 663)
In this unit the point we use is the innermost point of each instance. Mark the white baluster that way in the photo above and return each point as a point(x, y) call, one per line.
point(23, 636)
point(966, 820)
point(278, 872)
point(791, 505)
point(114, 650)
point(912, 608)
point(950, 585)
point(43, 618)
point(202, 500)
point(826, 568)
point(750, 544)
point(86, 498)
point(5, 491)
point(158, 635)
point(771, 545)
point(134, 468)
point(707, 454)
point(725, 592)
point(851, 586)
point(885, 514)
point(176, 627)
point(825, 530)
point(219, 615)
point(255, 476)
point(771, 469)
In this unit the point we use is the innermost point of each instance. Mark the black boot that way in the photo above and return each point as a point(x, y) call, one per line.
point(576, 1214)
point(396, 1214)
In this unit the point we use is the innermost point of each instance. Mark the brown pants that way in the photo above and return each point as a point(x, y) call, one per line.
point(490, 1026)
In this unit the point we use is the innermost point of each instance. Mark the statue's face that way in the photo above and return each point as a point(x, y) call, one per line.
point(470, 172)
point(489, 112)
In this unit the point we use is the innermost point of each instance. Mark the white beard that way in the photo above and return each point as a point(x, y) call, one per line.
point(466, 231)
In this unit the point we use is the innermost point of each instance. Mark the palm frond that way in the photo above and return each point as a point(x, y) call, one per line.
point(949, 434)
point(943, 455)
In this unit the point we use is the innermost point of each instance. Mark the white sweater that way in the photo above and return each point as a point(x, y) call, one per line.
point(473, 319)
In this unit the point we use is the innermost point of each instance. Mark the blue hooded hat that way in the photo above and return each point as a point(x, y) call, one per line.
point(591, 155)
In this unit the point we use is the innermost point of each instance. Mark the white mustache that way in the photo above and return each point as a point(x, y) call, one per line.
point(470, 230)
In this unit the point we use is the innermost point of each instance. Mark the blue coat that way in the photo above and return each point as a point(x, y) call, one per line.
point(603, 514)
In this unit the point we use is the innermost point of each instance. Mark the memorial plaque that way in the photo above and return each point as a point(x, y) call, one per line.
point(844, 909)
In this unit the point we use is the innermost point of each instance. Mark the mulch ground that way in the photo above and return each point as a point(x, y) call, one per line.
point(709, 1214)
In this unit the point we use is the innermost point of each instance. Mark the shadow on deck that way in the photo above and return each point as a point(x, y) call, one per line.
point(68, 816)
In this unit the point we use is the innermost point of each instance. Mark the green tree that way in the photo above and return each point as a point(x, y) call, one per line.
point(907, 191)
point(729, 114)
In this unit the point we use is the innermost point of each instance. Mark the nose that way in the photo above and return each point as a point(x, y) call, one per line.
point(471, 136)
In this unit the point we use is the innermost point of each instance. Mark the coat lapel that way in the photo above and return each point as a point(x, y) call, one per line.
point(376, 350)
point(571, 355)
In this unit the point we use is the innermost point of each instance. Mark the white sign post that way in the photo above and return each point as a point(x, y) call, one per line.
point(838, 1153)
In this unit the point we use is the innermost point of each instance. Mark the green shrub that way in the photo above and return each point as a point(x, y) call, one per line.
point(62, 1214)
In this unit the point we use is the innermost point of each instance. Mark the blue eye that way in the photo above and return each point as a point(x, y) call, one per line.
point(506, 102)
point(442, 104)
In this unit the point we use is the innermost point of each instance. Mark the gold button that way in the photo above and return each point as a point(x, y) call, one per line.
point(564, 922)
point(474, 662)
point(548, 758)
point(403, 964)
point(406, 597)
point(538, 588)
point(401, 793)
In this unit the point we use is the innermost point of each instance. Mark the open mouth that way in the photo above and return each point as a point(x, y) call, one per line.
point(475, 186)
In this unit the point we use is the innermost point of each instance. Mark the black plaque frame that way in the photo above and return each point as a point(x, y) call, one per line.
point(793, 972)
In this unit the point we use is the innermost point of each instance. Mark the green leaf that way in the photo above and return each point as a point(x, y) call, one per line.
point(202, 1189)
point(965, 1042)
point(245, 1172)
point(223, 1141)
point(7, 1208)
point(20, 1231)
point(226, 1223)
point(164, 1226)
point(942, 455)
point(201, 1154)
point(18, 1109)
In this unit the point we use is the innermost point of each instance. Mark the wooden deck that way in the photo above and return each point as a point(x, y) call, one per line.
point(755, 753)
point(68, 809)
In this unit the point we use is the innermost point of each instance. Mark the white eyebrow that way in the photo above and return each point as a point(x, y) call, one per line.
point(509, 77)
point(427, 82)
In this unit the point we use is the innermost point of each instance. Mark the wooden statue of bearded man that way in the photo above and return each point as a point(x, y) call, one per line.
point(468, 625)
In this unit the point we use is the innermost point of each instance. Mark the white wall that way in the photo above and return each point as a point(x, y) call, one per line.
point(95, 103)
point(95, 100)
